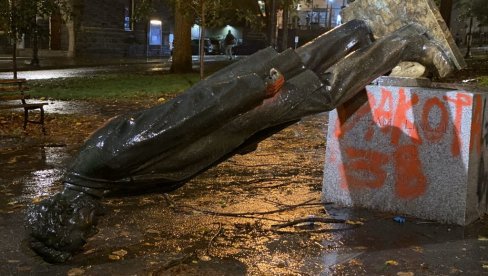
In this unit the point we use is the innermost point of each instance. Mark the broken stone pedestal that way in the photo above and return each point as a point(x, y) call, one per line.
point(410, 150)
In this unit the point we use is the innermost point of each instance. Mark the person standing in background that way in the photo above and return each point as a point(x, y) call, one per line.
point(229, 42)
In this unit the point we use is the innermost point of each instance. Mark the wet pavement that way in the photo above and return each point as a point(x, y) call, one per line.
point(69, 67)
point(227, 220)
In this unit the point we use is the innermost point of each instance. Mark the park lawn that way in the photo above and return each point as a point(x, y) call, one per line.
point(483, 81)
point(112, 86)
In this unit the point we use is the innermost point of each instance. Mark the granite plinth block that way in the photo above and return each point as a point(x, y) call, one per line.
point(411, 150)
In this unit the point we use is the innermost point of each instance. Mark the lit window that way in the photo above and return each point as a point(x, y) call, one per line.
point(262, 7)
point(128, 11)
point(155, 32)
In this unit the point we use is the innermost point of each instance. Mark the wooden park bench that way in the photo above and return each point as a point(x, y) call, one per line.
point(12, 90)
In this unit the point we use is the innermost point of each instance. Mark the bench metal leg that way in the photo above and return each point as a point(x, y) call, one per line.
point(42, 121)
point(26, 117)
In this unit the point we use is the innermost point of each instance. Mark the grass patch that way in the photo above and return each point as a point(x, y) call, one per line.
point(113, 86)
point(483, 81)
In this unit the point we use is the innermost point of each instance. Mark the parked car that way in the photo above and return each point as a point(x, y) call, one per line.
point(208, 47)
point(247, 48)
point(218, 47)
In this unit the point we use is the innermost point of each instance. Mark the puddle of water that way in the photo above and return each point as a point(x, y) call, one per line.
point(35, 173)
point(61, 107)
point(333, 258)
point(40, 183)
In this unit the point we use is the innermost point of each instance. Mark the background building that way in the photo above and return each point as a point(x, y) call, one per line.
point(102, 27)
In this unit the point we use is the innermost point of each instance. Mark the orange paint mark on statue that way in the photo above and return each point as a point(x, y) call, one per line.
point(476, 125)
point(461, 100)
point(364, 169)
point(410, 179)
point(434, 134)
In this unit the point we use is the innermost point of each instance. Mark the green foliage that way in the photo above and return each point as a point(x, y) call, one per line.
point(19, 16)
point(475, 8)
point(114, 86)
point(483, 81)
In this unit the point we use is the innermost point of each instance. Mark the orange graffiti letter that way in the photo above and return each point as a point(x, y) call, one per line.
point(401, 122)
point(410, 179)
point(434, 134)
point(363, 169)
point(460, 101)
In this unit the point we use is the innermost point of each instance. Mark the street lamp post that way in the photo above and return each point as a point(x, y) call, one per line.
point(329, 23)
point(470, 38)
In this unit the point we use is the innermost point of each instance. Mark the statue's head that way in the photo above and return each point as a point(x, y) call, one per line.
point(60, 225)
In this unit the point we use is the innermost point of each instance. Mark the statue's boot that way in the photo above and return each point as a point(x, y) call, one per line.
point(410, 43)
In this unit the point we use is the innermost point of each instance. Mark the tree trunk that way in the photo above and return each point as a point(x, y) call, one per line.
point(14, 58)
point(284, 23)
point(182, 42)
point(445, 9)
point(13, 28)
point(202, 40)
point(70, 25)
point(272, 24)
point(35, 45)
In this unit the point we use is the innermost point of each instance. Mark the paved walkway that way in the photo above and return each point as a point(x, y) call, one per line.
point(23, 62)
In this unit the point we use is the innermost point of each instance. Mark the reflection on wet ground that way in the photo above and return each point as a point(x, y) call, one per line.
point(224, 221)
point(90, 67)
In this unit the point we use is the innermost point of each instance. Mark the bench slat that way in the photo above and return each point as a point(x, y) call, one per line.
point(12, 81)
point(12, 88)
point(29, 106)
point(13, 97)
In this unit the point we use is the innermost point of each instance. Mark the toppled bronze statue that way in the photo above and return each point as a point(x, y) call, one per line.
point(161, 148)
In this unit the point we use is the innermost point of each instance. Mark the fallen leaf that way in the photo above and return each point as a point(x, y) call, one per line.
point(24, 268)
point(205, 258)
point(89, 251)
point(120, 253)
point(36, 200)
point(13, 261)
point(125, 233)
point(114, 257)
point(485, 266)
point(152, 231)
point(391, 262)
point(417, 249)
point(75, 272)
point(482, 238)
point(352, 222)
point(405, 273)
